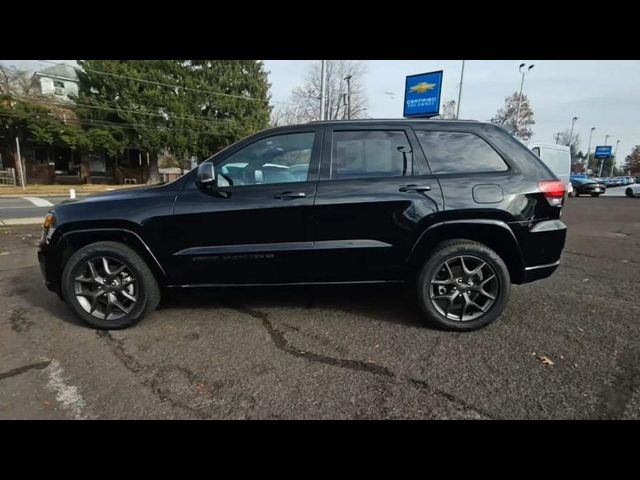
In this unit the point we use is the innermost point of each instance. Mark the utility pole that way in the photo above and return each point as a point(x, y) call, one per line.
point(322, 88)
point(19, 164)
point(348, 79)
point(557, 137)
point(460, 92)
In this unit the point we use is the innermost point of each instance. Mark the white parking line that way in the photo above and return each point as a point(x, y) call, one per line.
point(22, 221)
point(38, 202)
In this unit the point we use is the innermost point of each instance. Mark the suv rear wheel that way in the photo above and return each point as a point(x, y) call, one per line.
point(464, 285)
point(109, 286)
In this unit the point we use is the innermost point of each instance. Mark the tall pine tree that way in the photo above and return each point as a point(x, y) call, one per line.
point(190, 107)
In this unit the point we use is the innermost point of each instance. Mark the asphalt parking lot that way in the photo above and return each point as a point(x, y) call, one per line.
point(567, 347)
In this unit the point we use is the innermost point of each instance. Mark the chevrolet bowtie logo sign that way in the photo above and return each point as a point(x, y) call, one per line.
point(422, 87)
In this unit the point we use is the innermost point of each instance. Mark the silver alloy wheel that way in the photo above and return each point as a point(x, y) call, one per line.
point(106, 288)
point(463, 288)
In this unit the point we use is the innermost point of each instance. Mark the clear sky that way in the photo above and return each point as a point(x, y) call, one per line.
point(602, 94)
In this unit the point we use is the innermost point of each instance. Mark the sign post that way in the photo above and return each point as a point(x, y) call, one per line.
point(603, 152)
point(422, 94)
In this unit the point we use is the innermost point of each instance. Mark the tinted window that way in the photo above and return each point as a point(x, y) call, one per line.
point(370, 153)
point(458, 152)
point(277, 159)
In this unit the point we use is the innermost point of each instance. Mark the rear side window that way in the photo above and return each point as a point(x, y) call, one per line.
point(370, 153)
point(459, 152)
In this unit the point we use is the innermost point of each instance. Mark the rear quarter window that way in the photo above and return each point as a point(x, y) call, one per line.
point(459, 152)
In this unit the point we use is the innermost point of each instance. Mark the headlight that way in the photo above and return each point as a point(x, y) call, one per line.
point(48, 221)
point(48, 228)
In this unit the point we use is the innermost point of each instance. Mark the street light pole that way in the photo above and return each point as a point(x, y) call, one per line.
point(573, 122)
point(520, 96)
point(606, 137)
point(589, 147)
point(348, 79)
point(557, 137)
point(460, 92)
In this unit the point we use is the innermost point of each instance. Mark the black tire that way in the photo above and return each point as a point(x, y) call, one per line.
point(628, 192)
point(595, 194)
point(147, 293)
point(575, 193)
point(451, 249)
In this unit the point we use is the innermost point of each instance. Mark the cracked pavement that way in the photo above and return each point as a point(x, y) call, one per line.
point(358, 352)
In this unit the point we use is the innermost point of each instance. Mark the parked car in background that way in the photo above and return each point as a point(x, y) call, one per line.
point(557, 158)
point(632, 190)
point(586, 186)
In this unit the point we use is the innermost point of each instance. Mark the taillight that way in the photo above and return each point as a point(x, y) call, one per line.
point(553, 190)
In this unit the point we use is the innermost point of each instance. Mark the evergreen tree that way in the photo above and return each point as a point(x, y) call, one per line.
point(190, 107)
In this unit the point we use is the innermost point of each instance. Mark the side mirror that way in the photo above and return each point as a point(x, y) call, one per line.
point(206, 174)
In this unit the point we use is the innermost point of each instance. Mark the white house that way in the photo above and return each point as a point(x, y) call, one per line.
point(59, 82)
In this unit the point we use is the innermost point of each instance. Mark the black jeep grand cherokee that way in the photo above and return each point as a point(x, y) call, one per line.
point(459, 209)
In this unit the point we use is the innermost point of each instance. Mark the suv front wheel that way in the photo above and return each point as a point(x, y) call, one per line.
point(109, 286)
point(464, 285)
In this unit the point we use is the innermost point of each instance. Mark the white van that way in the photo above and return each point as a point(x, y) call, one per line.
point(557, 158)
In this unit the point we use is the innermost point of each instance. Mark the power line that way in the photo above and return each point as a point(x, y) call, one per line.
point(162, 84)
point(86, 105)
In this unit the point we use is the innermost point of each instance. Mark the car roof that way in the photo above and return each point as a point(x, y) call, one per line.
point(393, 120)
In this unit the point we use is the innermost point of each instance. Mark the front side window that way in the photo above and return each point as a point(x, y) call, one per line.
point(370, 153)
point(459, 152)
point(278, 159)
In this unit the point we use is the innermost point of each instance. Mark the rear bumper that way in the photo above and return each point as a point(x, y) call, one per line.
point(542, 246)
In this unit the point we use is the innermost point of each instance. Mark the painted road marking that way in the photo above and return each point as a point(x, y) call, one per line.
point(39, 202)
point(68, 395)
point(22, 221)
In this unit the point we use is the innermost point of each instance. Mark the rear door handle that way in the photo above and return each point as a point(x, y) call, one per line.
point(290, 195)
point(415, 188)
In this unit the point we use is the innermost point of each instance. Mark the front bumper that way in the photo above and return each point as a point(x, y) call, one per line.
point(538, 272)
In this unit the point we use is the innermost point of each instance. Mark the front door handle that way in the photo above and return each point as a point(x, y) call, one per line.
point(290, 195)
point(415, 188)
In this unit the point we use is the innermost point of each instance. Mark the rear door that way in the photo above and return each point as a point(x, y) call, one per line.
point(374, 198)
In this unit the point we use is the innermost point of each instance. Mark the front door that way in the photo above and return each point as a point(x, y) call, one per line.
point(252, 227)
point(375, 197)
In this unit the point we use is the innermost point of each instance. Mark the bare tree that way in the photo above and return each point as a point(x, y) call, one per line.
point(287, 114)
point(506, 116)
point(448, 110)
point(304, 104)
point(563, 139)
point(16, 82)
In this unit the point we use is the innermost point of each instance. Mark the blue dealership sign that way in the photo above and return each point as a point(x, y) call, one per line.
point(603, 151)
point(422, 94)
